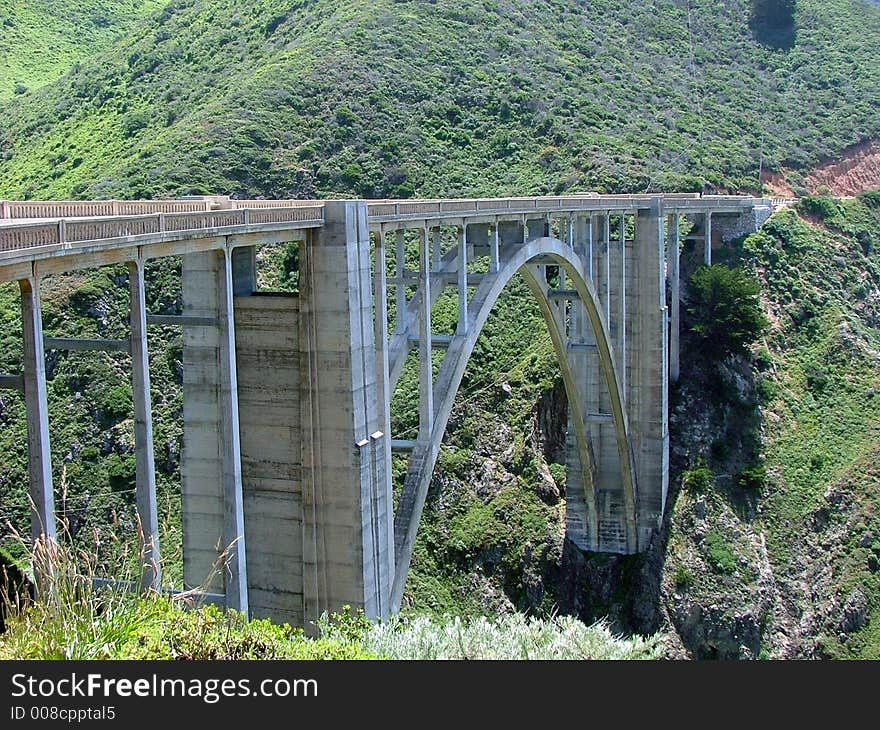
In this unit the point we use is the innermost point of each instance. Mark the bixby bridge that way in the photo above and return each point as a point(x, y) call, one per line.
point(287, 442)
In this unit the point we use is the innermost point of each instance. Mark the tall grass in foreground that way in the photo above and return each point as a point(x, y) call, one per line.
point(72, 618)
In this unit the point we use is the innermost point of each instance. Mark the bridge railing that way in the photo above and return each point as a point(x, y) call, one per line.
point(66, 231)
point(32, 224)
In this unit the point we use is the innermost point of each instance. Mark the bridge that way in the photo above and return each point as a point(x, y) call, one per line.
point(287, 440)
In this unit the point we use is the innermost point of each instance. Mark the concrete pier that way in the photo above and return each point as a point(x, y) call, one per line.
point(145, 470)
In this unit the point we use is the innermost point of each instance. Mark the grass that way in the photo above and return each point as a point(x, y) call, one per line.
point(71, 619)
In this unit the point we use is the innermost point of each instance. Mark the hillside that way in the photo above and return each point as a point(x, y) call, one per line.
point(309, 98)
point(40, 41)
point(782, 560)
point(524, 96)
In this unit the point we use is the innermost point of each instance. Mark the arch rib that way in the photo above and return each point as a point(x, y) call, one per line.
point(424, 456)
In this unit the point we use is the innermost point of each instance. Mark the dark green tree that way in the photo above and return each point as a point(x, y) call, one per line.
point(725, 310)
point(773, 22)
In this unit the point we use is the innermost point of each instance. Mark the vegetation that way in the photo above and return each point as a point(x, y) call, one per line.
point(510, 636)
point(725, 310)
point(40, 41)
point(74, 620)
point(297, 99)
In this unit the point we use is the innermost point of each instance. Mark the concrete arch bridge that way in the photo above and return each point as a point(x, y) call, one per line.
point(286, 459)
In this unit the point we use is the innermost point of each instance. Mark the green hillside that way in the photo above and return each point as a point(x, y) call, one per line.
point(41, 40)
point(478, 97)
point(312, 98)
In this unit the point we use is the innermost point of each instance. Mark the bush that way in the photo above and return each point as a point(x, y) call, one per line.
point(512, 636)
point(719, 553)
point(766, 390)
point(820, 206)
point(871, 198)
point(726, 310)
point(697, 480)
point(753, 478)
point(683, 577)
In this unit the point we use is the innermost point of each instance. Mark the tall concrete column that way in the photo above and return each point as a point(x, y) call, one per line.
point(382, 504)
point(707, 250)
point(235, 569)
point(145, 470)
point(346, 558)
point(650, 380)
point(621, 332)
point(673, 255)
point(426, 368)
point(462, 280)
point(400, 289)
point(606, 253)
point(436, 248)
point(36, 402)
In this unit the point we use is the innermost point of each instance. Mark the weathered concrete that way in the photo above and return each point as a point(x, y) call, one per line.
point(673, 265)
point(268, 358)
point(648, 384)
point(345, 558)
point(211, 482)
point(39, 453)
point(145, 470)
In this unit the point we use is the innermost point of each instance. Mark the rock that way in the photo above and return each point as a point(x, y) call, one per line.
point(700, 509)
point(854, 614)
point(866, 540)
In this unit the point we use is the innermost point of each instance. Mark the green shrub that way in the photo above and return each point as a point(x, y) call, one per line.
point(683, 577)
point(726, 310)
point(721, 556)
point(697, 480)
point(871, 198)
point(820, 206)
point(557, 471)
point(753, 478)
point(117, 402)
point(766, 390)
point(763, 360)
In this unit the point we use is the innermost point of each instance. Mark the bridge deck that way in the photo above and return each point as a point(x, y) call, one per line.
point(67, 235)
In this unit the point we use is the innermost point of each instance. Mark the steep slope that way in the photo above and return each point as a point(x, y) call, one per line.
point(298, 98)
point(41, 40)
point(772, 545)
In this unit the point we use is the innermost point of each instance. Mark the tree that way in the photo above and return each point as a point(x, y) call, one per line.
point(773, 22)
point(725, 310)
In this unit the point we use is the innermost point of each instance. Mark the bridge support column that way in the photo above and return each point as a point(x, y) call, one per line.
point(145, 469)
point(621, 311)
point(673, 266)
point(648, 388)
point(211, 475)
point(233, 499)
point(346, 486)
point(36, 402)
point(707, 246)
point(462, 281)
point(426, 366)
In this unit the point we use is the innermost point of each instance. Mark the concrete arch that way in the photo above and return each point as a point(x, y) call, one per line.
point(424, 456)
